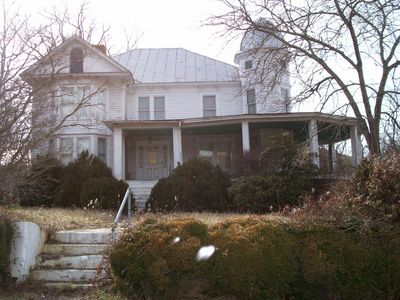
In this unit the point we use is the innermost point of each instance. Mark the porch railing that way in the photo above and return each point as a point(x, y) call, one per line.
point(127, 198)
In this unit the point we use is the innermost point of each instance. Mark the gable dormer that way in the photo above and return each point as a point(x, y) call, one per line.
point(77, 57)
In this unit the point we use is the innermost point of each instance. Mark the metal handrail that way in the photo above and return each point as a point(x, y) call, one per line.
point(127, 197)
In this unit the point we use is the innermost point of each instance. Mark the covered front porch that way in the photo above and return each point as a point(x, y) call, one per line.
point(149, 150)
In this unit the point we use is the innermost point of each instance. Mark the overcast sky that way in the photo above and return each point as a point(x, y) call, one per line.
point(160, 23)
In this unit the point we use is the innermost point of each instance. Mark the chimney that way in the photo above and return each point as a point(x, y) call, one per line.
point(101, 48)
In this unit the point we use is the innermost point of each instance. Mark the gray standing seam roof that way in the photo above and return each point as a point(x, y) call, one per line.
point(168, 65)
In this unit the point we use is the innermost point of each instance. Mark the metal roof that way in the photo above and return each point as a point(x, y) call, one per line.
point(162, 65)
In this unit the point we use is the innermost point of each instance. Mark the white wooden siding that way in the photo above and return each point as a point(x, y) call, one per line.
point(115, 102)
point(187, 101)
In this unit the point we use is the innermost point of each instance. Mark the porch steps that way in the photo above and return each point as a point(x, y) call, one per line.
point(141, 190)
point(72, 259)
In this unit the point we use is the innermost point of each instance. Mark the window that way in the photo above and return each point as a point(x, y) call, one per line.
point(101, 103)
point(67, 102)
point(76, 61)
point(285, 98)
point(102, 149)
point(209, 109)
point(82, 144)
point(159, 108)
point(251, 102)
point(72, 97)
point(82, 99)
point(144, 108)
point(218, 151)
point(66, 147)
point(248, 64)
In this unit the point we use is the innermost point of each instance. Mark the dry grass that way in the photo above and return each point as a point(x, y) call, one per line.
point(54, 219)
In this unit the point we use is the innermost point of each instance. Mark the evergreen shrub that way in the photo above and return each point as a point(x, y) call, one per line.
point(41, 182)
point(6, 233)
point(87, 179)
point(256, 258)
point(195, 185)
point(280, 178)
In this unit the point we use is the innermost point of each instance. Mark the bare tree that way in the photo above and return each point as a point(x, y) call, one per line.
point(29, 65)
point(344, 52)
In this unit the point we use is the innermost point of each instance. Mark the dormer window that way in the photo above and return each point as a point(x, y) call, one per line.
point(76, 60)
point(248, 64)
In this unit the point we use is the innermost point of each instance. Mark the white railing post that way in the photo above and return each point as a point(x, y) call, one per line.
point(127, 197)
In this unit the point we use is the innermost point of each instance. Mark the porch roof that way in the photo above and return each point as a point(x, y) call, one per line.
point(232, 119)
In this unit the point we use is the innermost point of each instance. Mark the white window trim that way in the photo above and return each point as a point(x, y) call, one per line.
point(151, 105)
point(216, 103)
point(75, 88)
point(255, 100)
point(138, 106)
point(97, 146)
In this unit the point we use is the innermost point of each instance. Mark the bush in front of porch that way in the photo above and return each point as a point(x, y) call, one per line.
point(275, 177)
point(195, 185)
point(86, 182)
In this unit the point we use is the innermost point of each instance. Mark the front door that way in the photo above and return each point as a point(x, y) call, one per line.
point(152, 160)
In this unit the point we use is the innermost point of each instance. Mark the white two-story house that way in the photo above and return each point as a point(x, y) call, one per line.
point(147, 110)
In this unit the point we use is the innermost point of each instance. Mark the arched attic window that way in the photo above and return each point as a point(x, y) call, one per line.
point(76, 60)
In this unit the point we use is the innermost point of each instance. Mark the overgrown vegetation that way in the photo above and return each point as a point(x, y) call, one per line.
point(41, 182)
point(195, 185)
point(346, 245)
point(6, 233)
point(275, 178)
point(84, 181)
point(256, 258)
point(372, 196)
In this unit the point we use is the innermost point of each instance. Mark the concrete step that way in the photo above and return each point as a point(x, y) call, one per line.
point(85, 236)
point(71, 275)
point(65, 285)
point(88, 262)
point(74, 249)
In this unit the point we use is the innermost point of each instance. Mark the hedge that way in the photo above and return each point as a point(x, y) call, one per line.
point(6, 233)
point(256, 258)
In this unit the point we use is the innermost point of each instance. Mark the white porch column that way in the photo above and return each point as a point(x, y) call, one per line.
point(313, 135)
point(245, 137)
point(177, 145)
point(118, 155)
point(356, 146)
point(332, 158)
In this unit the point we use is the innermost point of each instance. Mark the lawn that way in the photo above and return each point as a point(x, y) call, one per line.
point(54, 219)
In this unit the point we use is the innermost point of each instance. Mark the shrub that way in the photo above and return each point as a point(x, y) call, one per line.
point(375, 187)
point(40, 183)
point(196, 185)
point(79, 180)
point(104, 192)
point(283, 174)
point(260, 194)
point(148, 259)
point(257, 258)
point(6, 233)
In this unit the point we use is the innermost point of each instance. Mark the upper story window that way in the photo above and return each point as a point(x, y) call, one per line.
point(248, 64)
point(76, 60)
point(144, 108)
point(251, 101)
point(209, 106)
point(76, 100)
point(159, 108)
